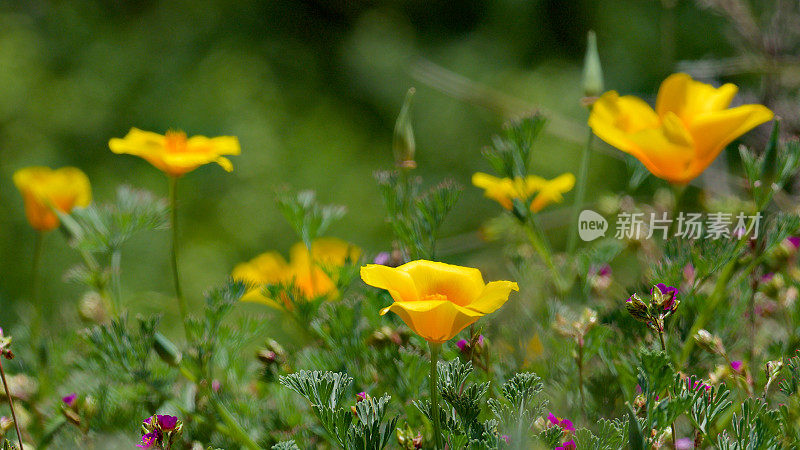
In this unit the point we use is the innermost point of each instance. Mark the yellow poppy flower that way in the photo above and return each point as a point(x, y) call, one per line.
point(437, 300)
point(307, 272)
point(505, 190)
point(45, 190)
point(690, 126)
point(174, 153)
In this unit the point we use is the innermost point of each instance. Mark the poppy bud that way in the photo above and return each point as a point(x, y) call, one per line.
point(403, 145)
point(592, 70)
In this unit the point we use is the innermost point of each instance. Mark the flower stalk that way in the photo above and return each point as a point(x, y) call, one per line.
point(434, 386)
point(580, 191)
point(6, 353)
point(173, 203)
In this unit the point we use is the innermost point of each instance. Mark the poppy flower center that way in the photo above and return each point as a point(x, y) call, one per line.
point(435, 297)
point(175, 141)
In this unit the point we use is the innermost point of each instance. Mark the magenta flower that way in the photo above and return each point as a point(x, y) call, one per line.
point(462, 345)
point(564, 424)
point(794, 241)
point(216, 385)
point(506, 438)
point(167, 423)
point(361, 396)
point(569, 445)
point(69, 400)
point(149, 440)
point(480, 340)
point(736, 365)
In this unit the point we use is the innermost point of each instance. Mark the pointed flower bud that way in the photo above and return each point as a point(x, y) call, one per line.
point(403, 145)
point(592, 70)
point(637, 308)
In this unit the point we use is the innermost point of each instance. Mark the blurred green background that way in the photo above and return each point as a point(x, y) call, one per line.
point(312, 89)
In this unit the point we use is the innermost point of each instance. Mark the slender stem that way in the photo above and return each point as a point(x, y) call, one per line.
point(580, 192)
point(579, 359)
point(751, 310)
point(677, 195)
point(38, 309)
point(10, 403)
point(434, 387)
point(664, 348)
point(173, 193)
point(544, 253)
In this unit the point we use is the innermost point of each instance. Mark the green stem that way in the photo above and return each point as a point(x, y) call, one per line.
point(173, 193)
point(579, 359)
point(580, 192)
point(664, 348)
point(434, 387)
point(544, 253)
point(10, 403)
point(38, 309)
point(677, 195)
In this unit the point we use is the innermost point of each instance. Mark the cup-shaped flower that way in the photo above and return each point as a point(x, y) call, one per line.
point(689, 127)
point(437, 300)
point(539, 191)
point(46, 191)
point(174, 153)
point(313, 274)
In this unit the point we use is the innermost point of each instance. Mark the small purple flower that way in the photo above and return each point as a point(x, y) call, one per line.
point(149, 440)
point(569, 445)
point(605, 270)
point(684, 444)
point(794, 241)
point(480, 340)
point(215, 385)
point(361, 396)
point(506, 438)
point(382, 258)
point(736, 365)
point(147, 421)
point(767, 277)
point(567, 425)
point(564, 424)
point(462, 345)
point(69, 400)
point(167, 422)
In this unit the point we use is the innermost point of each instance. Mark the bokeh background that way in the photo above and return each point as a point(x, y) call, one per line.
point(312, 89)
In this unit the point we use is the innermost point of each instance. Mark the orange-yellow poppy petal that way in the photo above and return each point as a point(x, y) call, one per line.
point(267, 267)
point(461, 285)
point(667, 151)
point(614, 118)
point(137, 142)
point(434, 320)
point(45, 191)
point(551, 191)
point(500, 190)
point(714, 131)
point(399, 284)
point(687, 98)
point(494, 295)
